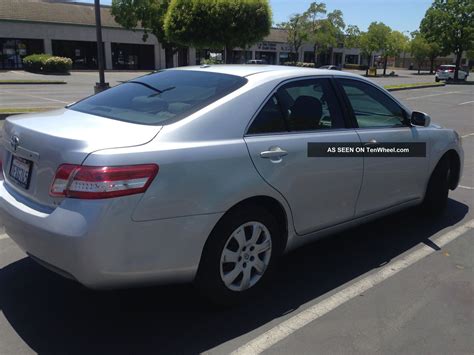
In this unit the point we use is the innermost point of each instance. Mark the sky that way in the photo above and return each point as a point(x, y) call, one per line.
point(401, 15)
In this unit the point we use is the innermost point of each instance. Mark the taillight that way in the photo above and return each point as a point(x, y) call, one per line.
point(94, 182)
point(451, 70)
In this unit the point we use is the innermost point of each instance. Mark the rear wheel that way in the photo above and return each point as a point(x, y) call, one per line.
point(436, 197)
point(239, 256)
point(437, 79)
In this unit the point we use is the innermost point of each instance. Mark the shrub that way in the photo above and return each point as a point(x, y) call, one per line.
point(300, 64)
point(356, 66)
point(211, 61)
point(58, 65)
point(47, 63)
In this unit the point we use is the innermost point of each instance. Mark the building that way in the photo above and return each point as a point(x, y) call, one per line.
point(68, 29)
point(65, 28)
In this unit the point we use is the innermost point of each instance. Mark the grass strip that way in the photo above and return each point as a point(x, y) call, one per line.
point(413, 86)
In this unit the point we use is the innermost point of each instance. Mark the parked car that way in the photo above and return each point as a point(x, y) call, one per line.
point(257, 61)
point(202, 174)
point(446, 72)
point(330, 67)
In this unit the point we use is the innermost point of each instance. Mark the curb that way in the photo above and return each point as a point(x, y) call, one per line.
point(416, 87)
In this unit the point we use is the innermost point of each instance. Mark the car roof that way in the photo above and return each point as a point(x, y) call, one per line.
point(259, 70)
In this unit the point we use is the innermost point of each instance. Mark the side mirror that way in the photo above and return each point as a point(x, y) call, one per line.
point(420, 119)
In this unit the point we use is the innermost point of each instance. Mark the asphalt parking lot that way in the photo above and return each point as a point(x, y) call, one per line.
point(81, 84)
point(401, 284)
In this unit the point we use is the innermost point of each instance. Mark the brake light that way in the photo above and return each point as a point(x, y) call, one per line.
point(94, 182)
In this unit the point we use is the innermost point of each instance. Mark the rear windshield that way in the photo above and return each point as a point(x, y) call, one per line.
point(160, 98)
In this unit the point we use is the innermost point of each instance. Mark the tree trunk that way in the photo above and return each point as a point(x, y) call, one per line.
point(419, 68)
point(369, 59)
point(228, 54)
point(432, 59)
point(458, 64)
point(314, 53)
point(385, 65)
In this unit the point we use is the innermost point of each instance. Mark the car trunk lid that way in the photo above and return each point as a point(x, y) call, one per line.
point(47, 140)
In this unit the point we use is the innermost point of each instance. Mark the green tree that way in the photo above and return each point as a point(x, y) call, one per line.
point(450, 23)
point(296, 34)
point(148, 15)
point(419, 49)
point(378, 39)
point(434, 52)
point(313, 17)
point(397, 42)
point(352, 37)
point(218, 23)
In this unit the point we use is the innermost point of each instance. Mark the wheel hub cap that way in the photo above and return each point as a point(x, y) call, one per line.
point(245, 256)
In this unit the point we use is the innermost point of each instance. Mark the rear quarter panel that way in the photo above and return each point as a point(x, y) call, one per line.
point(204, 164)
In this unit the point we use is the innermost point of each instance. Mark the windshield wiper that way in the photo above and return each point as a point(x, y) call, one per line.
point(158, 91)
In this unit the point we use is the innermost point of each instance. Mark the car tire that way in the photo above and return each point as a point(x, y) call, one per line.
point(214, 272)
point(437, 80)
point(436, 197)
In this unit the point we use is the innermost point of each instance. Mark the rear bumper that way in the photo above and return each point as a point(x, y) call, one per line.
point(97, 243)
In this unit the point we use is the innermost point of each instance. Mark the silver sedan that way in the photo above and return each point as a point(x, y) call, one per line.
point(209, 174)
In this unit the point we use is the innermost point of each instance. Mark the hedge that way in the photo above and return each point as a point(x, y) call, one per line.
point(300, 64)
point(47, 63)
point(356, 66)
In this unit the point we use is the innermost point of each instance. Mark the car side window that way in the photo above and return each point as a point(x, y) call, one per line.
point(270, 119)
point(371, 106)
point(303, 105)
point(310, 105)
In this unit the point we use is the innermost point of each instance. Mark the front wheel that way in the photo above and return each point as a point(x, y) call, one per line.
point(437, 80)
point(436, 197)
point(239, 256)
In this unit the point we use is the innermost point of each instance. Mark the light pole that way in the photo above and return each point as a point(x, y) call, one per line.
point(101, 85)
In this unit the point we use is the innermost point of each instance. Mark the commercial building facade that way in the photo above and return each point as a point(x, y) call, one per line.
point(67, 29)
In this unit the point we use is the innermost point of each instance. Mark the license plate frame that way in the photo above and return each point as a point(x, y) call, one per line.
point(18, 167)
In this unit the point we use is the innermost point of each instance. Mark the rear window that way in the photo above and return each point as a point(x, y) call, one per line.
point(160, 98)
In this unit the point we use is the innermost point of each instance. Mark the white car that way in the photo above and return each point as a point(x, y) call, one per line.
point(446, 72)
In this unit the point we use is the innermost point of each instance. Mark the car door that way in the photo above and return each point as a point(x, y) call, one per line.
point(320, 191)
point(391, 180)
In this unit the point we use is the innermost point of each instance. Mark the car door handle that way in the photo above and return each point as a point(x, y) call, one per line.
point(273, 152)
point(372, 143)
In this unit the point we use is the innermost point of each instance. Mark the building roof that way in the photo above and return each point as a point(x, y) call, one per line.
point(54, 12)
point(64, 12)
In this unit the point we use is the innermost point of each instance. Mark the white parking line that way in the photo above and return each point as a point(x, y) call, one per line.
point(422, 97)
point(3, 236)
point(465, 103)
point(467, 135)
point(33, 96)
point(298, 321)
point(466, 187)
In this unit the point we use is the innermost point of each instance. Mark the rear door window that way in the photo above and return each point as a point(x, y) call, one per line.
point(160, 98)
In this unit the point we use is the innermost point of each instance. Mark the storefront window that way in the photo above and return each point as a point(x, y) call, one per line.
point(83, 54)
point(284, 57)
point(269, 57)
point(133, 56)
point(241, 57)
point(12, 51)
point(308, 57)
point(352, 59)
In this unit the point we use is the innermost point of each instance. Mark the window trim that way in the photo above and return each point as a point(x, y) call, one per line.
point(350, 112)
point(330, 78)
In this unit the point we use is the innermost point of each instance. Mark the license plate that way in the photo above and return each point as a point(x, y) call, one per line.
point(20, 171)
